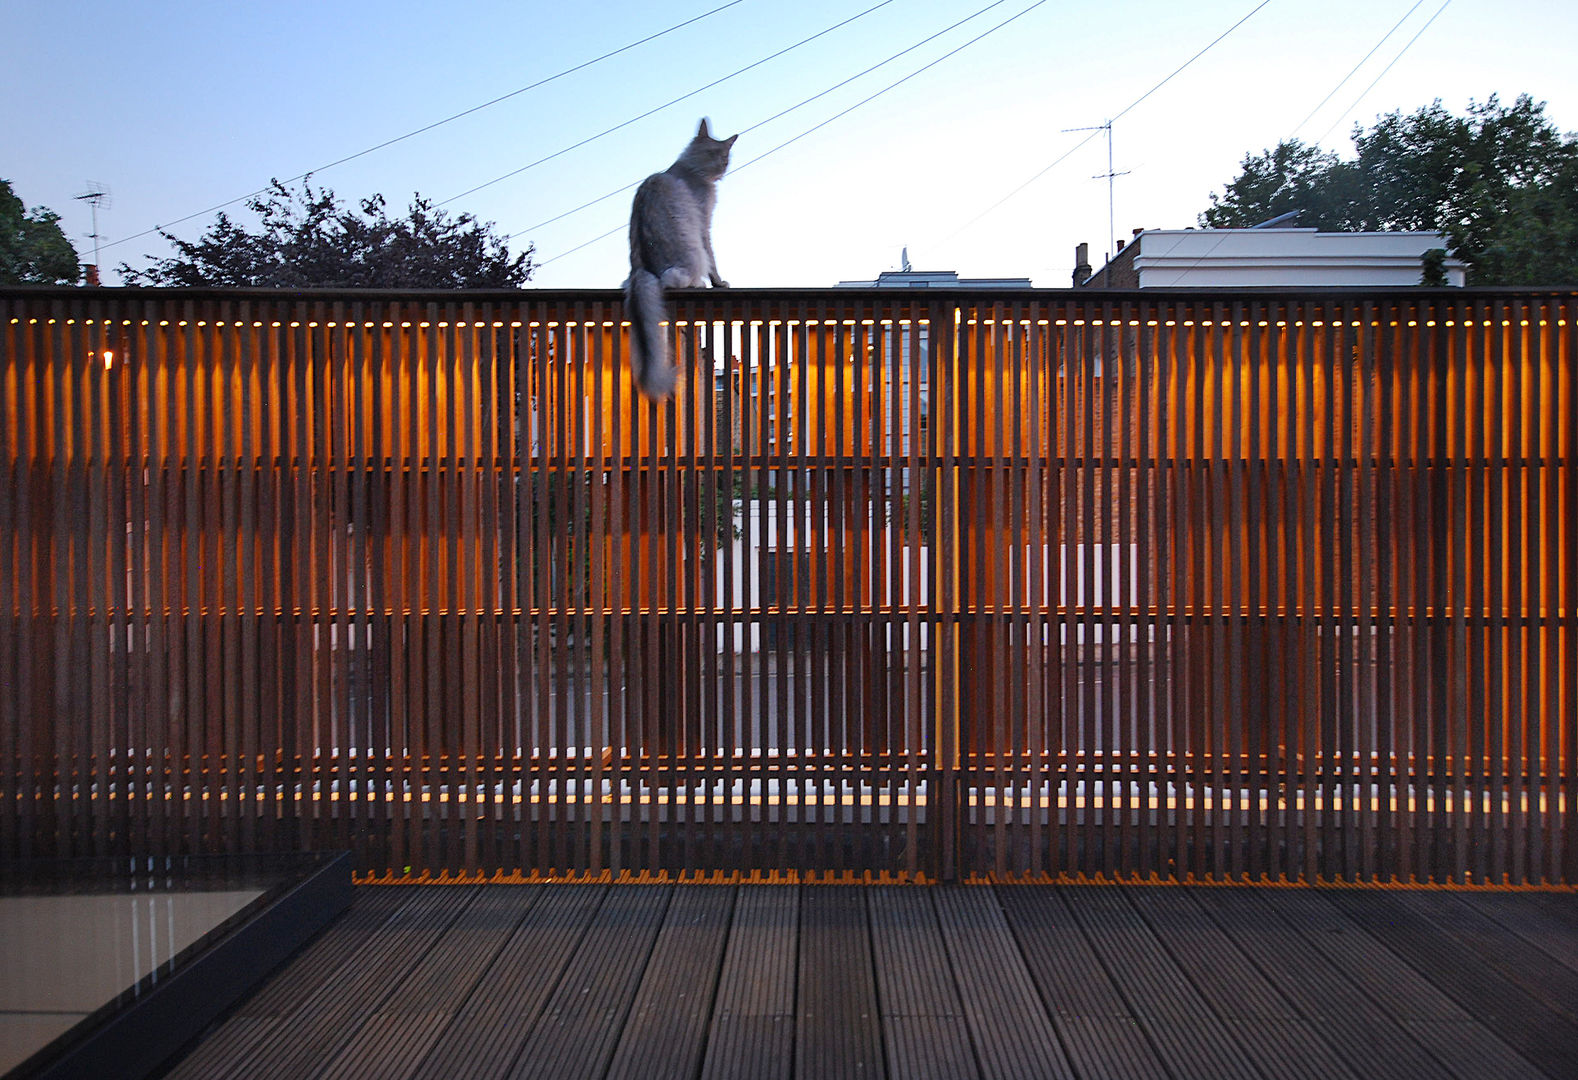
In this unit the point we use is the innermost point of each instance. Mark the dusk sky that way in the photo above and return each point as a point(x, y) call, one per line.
point(177, 107)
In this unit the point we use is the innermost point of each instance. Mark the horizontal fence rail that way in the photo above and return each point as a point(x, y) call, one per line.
point(901, 585)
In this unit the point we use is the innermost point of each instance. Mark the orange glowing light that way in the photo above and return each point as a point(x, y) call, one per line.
point(109, 359)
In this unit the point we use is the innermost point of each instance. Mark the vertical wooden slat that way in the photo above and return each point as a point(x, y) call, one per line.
point(1037, 374)
point(15, 468)
point(1567, 359)
point(911, 364)
point(1133, 805)
point(1544, 704)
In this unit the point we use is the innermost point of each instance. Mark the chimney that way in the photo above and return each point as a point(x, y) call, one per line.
point(1120, 244)
point(90, 274)
point(1082, 269)
point(1137, 232)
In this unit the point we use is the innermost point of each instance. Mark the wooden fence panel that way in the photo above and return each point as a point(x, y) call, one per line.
point(900, 586)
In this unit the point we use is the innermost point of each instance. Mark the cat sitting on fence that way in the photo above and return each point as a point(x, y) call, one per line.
point(671, 247)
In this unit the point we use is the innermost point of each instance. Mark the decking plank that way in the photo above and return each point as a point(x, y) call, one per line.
point(753, 1020)
point(837, 1030)
point(1406, 994)
point(348, 936)
point(394, 1043)
point(237, 1039)
point(1532, 1028)
point(923, 1027)
point(580, 1025)
point(1521, 960)
point(357, 987)
point(1267, 1026)
point(928, 1047)
point(1061, 960)
point(1013, 1035)
point(490, 1027)
point(220, 1052)
point(1370, 1041)
point(665, 1035)
point(1226, 977)
point(1097, 1028)
point(1186, 1033)
point(1533, 919)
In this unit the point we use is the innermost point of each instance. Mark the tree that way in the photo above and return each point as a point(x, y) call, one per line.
point(1499, 182)
point(309, 239)
point(33, 249)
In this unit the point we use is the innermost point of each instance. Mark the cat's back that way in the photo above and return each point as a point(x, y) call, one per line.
point(663, 192)
point(665, 223)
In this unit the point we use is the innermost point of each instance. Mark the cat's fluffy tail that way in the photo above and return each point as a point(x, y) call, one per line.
point(650, 362)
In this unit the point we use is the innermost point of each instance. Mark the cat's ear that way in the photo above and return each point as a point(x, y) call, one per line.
point(702, 132)
point(729, 141)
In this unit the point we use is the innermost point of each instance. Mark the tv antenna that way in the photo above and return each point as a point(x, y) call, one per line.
point(1109, 176)
point(96, 196)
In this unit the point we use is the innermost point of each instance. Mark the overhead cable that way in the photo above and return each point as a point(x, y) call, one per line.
point(437, 123)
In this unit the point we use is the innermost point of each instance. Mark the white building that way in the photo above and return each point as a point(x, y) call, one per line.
point(1267, 257)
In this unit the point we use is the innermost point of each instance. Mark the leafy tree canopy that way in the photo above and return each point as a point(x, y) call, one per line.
point(1501, 182)
point(33, 249)
point(309, 239)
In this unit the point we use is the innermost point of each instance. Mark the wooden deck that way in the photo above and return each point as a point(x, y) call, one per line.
point(691, 981)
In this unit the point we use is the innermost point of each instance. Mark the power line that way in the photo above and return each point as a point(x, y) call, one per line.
point(1356, 68)
point(1223, 238)
point(1384, 70)
point(776, 116)
point(1121, 113)
point(1176, 71)
point(666, 104)
point(438, 123)
point(892, 85)
point(845, 112)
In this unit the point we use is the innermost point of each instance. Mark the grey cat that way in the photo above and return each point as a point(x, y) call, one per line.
point(671, 247)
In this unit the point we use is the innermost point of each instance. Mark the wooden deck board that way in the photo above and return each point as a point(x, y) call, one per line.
point(1097, 1028)
point(1525, 1022)
point(580, 1026)
point(490, 1027)
point(1013, 1035)
point(1370, 1041)
point(923, 1026)
point(1264, 1023)
point(1114, 982)
point(1536, 923)
point(753, 1019)
point(1528, 964)
point(838, 1030)
point(667, 1029)
point(396, 1040)
point(1186, 1033)
point(356, 989)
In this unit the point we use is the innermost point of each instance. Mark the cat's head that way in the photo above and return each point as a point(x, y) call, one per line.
point(705, 156)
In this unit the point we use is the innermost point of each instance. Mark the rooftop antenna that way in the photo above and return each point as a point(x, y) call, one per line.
point(904, 260)
point(1109, 176)
point(96, 196)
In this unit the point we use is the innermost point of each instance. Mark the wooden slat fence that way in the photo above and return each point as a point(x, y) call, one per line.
point(902, 585)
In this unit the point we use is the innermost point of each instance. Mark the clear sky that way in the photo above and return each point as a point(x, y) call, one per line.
point(177, 106)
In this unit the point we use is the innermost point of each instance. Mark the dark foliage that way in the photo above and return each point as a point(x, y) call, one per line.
point(1501, 182)
point(309, 239)
point(33, 249)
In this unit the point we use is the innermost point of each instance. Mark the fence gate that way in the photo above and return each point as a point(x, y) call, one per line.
point(901, 585)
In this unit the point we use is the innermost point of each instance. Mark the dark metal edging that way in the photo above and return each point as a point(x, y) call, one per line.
point(142, 1037)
